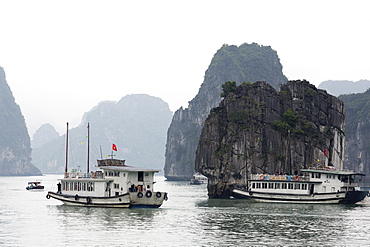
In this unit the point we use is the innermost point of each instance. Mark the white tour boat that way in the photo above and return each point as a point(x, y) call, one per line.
point(314, 186)
point(115, 185)
point(198, 179)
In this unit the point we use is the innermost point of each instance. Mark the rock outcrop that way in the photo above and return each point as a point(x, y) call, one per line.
point(46, 133)
point(15, 144)
point(357, 145)
point(256, 129)
point(248, 62)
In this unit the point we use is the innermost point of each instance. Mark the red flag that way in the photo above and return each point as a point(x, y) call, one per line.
point(114, 147)
point(325, 153)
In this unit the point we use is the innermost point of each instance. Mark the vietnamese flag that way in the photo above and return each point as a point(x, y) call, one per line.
point(114, 147)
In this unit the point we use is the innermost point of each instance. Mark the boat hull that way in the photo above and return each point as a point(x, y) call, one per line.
point(127, 200)
point(350, 197)
point(35, 188)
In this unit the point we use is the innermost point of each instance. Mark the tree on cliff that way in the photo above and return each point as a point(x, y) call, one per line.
point(228, 87)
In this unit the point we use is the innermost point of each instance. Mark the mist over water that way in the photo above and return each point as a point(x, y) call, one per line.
point(188, 218)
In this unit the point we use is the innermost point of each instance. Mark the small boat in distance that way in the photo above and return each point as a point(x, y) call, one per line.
point(198, 179)
point(35, 186)
point(316, 185)
point(115, 185)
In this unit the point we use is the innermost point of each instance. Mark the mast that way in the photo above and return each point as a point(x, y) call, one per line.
point(66, 169)
point(88, 147)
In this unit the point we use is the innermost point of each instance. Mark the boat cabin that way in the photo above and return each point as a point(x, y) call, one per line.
point(312, 181)
point(115, 178)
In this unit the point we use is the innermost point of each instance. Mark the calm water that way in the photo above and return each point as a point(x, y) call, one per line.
point(188, 218)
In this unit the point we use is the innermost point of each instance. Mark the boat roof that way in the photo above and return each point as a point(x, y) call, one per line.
point(128, 169)
point(34, 182)
point(330, 171)
point(119, 165)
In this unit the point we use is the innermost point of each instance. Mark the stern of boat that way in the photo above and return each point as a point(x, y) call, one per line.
point(147, 199)
point(355, 196)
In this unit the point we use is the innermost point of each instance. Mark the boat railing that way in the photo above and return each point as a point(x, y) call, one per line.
point(97, 174)
point(278, 177)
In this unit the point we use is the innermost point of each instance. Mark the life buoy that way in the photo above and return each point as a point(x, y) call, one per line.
point(165, 197)
point(368, 194)
point(76, 197)
point(297, 178)
point(88, 200)
point(262, 177)
point(47, 196)
point(158, 194)
point(140, 194)
point(148, 194)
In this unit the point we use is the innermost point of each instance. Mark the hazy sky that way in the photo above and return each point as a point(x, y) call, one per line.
point(61, 58)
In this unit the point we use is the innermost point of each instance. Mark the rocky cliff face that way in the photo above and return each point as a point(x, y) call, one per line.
point(357, 145)
point(248, 62)
point(15, 145)
point(256, 129)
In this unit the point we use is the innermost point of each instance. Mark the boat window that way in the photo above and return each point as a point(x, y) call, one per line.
point(140, 176)
point(253, 185)
point(312, 175)
point(323, 189)
point(297, 186)
point(284, 186)
point(318, 175)
point(258, 185)
point(146, 174)
point(264, 185)
point(304, 187)
point(277, 185)
point(332, 189)
point(290, 186)
point(271, 185)
point(116, 186)
point(90, 186)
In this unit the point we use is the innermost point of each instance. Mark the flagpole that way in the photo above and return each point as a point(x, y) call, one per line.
point(88, 147)
point(66, 169)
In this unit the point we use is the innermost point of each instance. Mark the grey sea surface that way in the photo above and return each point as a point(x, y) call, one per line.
point(188, 218)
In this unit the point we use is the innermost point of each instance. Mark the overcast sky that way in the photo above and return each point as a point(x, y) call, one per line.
point(61, 58)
